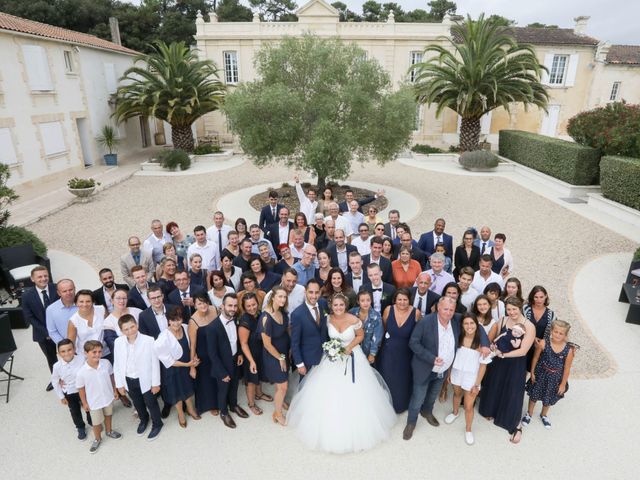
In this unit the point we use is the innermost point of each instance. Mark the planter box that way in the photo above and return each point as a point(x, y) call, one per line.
point(435, 157)
point(213, 157)
point(111, 159)
point(82, 194)
point(614, 209)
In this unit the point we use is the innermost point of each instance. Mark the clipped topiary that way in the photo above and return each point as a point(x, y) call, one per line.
point(207, 149)
point(478, 160)
point(12, 236)
point(172, 159)
point(425, 149)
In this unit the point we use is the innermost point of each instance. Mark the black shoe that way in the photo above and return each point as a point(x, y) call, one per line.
point(153, 434)
point(49, 388)
point(82, 434)
point(240, 412)
point(166, 410)
point(408, 431)
point(431, 420)
point(228, 421)
point(142, 427)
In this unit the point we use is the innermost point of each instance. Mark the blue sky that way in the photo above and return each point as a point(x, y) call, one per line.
point(612, 20)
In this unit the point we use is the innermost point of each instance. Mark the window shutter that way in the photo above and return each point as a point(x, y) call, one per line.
point(571, 71)
point(37, 65)
point(52, 138)
point(548, 61)
point(7, 151)
point(485, 123)
point(110, 77)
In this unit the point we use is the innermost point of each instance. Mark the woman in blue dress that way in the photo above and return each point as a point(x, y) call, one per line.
point(274, 325)
point(205, 387)
point(394, 361)
point(172, 348)
point(251, 345)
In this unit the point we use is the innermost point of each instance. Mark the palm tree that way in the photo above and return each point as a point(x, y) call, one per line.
point(482, 68)
point(174, 86)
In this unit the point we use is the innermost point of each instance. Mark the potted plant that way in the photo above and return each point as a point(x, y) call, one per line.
point(478, 161)
point(107, 139)
point(82, 187)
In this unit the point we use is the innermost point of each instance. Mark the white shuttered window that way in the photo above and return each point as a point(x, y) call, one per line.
point(37, 66)
point(52, 138)
point(7, 151)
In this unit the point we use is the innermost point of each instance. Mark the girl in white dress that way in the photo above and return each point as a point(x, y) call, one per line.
point(467, 372)
point(342, 406)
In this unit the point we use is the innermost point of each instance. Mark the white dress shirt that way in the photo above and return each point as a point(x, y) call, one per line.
point(97, 384)
point(467, 298)
point(377, 298)
point(356, 283)
point(354, 219)
point(306, 206)
point(296, 298)
point(107, 299)
point(479, 283)
point(232, 332)
point(283, 233)
point(142, 356)
point(343, 258)
point(341, 224)
point(363, 246)
point(161, 319)
point(153, 246)
point(446, 347)
point(208, 252)
point(416, 301)
point(67, 373)
point(212, 236)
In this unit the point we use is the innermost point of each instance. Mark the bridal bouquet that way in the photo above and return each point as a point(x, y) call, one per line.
point(333, 349)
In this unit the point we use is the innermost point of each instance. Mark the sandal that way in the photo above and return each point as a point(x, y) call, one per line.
point(215, 412)
point(285, 405)
point(516, 436)
point(265, 397)
point(255, 409)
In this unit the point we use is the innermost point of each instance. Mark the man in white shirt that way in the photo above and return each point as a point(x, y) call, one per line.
point(469, 294)
point(297, 244)
point(137, 370)
point(155, 241)
point(362, 242)
point(308, 203)
point(340, 222)
point(354, 217)
point(218, 233)
point(295, 292)
point(484, 276)
point(207, 249)
point(439, 277)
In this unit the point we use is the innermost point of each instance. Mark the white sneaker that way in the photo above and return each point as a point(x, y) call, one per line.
point(449, 419)
point(468, 437)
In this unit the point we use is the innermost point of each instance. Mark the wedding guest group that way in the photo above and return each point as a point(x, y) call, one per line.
point(199, 313)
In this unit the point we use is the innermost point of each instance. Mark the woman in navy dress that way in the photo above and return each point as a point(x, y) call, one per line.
point(251, 344)
point(537, 311)
point(266, 279)
point(274, 325)
point(394, 360)
point(504, 382)
point(205, 386)
point(172, 347)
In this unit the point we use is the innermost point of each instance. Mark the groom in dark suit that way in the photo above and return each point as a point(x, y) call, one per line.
point(223, 350)
point(35, 300)
point(309, 329)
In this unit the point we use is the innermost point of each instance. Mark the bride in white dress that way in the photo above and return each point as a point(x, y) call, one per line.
point(342, 406)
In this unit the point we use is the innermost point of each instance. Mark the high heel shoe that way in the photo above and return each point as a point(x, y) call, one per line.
point(279, 418)
point(183, 424)
point(195, 416)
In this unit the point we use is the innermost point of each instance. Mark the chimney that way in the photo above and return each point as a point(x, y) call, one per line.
point(115, 30)
point(581, 25)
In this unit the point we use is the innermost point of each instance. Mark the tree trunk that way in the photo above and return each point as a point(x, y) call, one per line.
point(469, 134)
point(182, 137)
point(322, 183)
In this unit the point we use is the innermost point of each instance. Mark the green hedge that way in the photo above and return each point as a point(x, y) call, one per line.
point(620, 180)
point(566, 161)
point(13, 235)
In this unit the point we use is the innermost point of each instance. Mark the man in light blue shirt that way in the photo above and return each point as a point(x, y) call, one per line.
point(60, 311)
point(306, 266)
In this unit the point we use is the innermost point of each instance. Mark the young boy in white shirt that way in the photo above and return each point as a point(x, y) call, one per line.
point(63, 380)
point(97, 391)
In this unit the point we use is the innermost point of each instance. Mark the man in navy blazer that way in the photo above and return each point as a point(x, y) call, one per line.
point(341, 245)
point(223, 350)
point(428, 241)
point(273, 231)
point(102, 295)
point(269, 213)
point(376, 257)
point(348, 197)
point(153, 320)
point(421, 297)
point(381, 292)
point(183, 294)
point(139, 289)
point(34, 304)
point(308, 333)
point(431, 359)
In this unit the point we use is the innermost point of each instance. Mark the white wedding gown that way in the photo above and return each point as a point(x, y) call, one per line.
point(334, 413)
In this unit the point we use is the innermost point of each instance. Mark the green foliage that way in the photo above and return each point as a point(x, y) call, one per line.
point(172, 159)
point(425, 149)
point(77, 182)
point(636, 255)
point(613, 129)
point(440, 8)
point(233, 11)
point(275, 10)
point(174, 86)
point(12, 236)
point(346, 15)
point(566, 161)
point(107, 138)
point(479, 68)
point(541, 25)
point(620, 180)
point(502, 21)
point(7, 195)
point(478, 159)
point(207, 149)
point(318, 104)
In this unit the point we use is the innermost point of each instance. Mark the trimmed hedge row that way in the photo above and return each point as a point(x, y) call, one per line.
point(620, 180)
point(566, 161)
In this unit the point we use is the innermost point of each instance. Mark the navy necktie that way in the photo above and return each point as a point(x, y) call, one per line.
point(136, 258)
point(45, 297)
point(220, 242)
